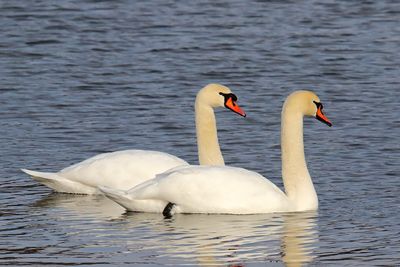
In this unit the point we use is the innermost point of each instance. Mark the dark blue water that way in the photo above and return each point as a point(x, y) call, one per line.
point(79, 78)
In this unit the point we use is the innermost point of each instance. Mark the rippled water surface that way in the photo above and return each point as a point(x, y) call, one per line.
point(85, 77)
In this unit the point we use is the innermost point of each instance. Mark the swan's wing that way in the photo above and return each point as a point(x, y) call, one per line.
point(121, 169)
point(213, 189)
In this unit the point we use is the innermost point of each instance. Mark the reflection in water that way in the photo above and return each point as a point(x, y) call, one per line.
point(298, 238)
point(82, 205)
point(197, 238)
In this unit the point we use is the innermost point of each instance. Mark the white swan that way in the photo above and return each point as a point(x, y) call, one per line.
point(220, 189)
point(125, 169)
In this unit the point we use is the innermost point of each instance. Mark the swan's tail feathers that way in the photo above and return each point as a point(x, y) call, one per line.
point(41, 176)
point(126, 200)
point(59, 183)
point(118, 196)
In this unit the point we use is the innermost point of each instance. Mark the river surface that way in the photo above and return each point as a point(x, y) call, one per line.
point(78, 78)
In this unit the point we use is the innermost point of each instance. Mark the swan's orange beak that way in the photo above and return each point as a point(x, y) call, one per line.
point(321, 116)
point(232, 105)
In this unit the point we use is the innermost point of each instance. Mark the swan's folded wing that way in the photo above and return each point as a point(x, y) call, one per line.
point(150, 188)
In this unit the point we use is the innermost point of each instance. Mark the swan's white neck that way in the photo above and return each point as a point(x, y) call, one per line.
point(209, 151)
point(296, 178)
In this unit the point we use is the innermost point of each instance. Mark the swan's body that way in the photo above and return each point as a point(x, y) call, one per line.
point(220, 189)
point(125, 169)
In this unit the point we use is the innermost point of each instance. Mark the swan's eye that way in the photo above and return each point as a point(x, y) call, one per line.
point(319, 105)
point(234, 97)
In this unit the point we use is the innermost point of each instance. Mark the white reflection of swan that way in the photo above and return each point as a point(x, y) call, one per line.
point(193, 239)
point(83, 206)
point(299, 236)
point(233, 239)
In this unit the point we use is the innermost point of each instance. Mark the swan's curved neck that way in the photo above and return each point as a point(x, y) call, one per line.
point(296, 178)
point(209, 151)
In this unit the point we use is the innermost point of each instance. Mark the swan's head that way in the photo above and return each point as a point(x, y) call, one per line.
point(307, 103)
point(217, 95)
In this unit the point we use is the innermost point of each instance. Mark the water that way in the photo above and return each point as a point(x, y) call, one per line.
point(85, 77)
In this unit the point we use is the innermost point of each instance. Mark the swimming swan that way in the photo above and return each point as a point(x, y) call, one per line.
point(127, 168)
point(231, 190)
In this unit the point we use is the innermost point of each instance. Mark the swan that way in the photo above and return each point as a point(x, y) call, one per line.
point(233, 190)
point(127, 168)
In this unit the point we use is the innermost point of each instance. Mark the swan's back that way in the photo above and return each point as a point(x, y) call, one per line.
point(214, 189)
point(121, 169)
